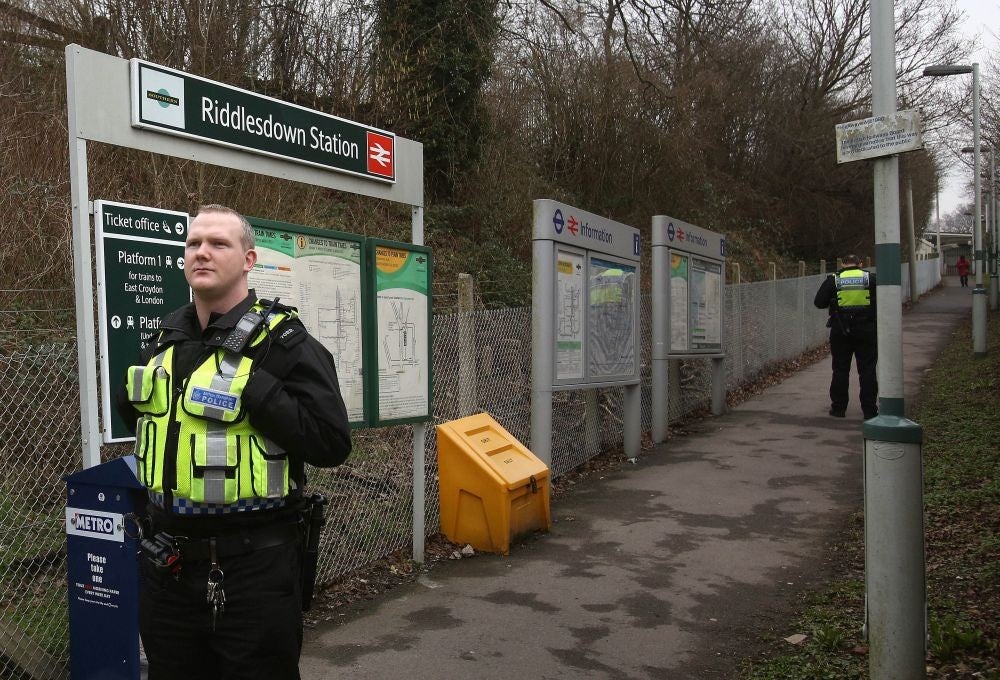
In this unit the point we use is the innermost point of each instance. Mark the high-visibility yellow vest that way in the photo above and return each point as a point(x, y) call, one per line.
point(220, 456)
point(853, 290)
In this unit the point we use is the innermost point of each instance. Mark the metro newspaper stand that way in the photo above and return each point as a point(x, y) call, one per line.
point(103, 574)
point(689, 292)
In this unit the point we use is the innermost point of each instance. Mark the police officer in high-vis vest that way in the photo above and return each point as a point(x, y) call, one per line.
point(230, 400)
point(850, 296)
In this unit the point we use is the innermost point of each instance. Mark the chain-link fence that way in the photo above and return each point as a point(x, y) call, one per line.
point(371, 495)
point(39, 445)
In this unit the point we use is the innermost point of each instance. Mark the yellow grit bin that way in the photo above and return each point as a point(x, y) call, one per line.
point(493, 489)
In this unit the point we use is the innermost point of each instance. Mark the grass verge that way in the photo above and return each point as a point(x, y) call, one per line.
point(959, 409)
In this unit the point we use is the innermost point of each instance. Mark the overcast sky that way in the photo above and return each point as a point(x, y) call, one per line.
point(982, 17)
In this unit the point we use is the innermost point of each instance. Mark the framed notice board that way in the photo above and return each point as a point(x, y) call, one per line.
point(321, 273)
point(400, 339)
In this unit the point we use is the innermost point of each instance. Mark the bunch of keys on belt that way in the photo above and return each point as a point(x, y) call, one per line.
point(216, 596)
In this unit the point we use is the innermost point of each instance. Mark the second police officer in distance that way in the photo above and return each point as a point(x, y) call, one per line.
point(850, 296)
point(223, 437)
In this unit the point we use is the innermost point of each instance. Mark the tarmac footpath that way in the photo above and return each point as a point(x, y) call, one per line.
point(668, 568)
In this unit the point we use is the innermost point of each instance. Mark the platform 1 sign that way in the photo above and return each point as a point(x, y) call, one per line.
point(140, 278)
point(879, 136)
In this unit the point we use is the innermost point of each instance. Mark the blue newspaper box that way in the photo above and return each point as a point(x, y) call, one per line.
point(102, 505)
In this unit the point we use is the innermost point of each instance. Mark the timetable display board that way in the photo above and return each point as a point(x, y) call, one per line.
point(140, 278)
point(321, 273)
point(400, 340)
point(571, 287)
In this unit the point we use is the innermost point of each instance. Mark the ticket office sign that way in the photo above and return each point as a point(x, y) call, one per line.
point(140, 278)
point(400, 342)
point(321, 273)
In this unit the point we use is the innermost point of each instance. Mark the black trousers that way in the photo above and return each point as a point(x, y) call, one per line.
point(258, 636)
point(863, 346)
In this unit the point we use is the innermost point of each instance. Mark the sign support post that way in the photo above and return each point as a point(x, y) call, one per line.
point(82, 267)
point(419, 429)
point(543, 283)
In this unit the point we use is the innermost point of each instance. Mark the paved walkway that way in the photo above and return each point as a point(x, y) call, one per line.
point(662, 569)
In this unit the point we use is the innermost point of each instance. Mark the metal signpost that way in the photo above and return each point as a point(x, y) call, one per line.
point(585, 315)
point(143, 106)
point(689, 289)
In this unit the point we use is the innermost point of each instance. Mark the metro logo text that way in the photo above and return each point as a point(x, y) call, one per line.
point(94, 524)
point(85, 523)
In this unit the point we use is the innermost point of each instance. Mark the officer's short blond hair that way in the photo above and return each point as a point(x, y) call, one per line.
point(851, 259)
point(247, 239)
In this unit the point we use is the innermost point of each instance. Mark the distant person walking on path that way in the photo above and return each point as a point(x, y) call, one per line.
point(850, 296)
point(963, 270)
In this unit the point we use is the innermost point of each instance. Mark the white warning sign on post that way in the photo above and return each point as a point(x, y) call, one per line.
point(879, 136)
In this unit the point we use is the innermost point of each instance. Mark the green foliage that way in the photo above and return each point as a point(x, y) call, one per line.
point(949, 636)
point(432, 61)
point(828, 637)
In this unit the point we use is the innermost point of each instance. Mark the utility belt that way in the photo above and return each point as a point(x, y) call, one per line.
point(242, 542)
point(169, 550)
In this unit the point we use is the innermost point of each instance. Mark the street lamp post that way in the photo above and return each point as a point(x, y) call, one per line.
point(894, 533)
point(990, 223)
point(937, 210)
point(979, 292)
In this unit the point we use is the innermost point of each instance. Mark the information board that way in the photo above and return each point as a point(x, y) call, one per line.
point(140, 278)
point(321, 273)
point(401, 339)
point(692, 316)
point(589, 302)
point(886, 135)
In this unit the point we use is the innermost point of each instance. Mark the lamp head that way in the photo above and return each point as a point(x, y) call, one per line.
point(947, 69)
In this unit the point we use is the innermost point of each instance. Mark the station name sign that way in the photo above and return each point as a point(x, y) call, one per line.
point(879, 136)
point(177, 103)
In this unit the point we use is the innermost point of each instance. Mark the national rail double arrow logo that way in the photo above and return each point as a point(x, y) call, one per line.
point(380, 160)
point(572, 225)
